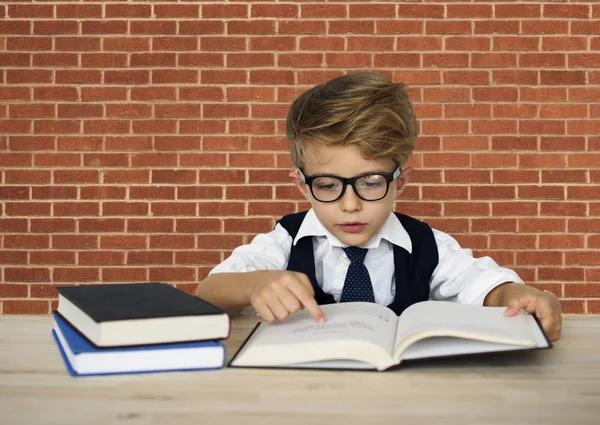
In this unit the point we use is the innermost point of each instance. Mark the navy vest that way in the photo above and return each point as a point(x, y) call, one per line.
point(413, 271)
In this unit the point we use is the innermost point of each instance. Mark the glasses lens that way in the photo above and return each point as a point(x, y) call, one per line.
point(372, 187)
point(327, 188)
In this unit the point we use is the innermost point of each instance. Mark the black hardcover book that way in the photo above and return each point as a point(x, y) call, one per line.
point(140, 313)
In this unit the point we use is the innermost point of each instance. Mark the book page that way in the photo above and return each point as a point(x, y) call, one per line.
point(440, 318)
point(359, 321)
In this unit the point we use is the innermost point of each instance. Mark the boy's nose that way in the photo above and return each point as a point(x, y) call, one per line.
point(350, 202)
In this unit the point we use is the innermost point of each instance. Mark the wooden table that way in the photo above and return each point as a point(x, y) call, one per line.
point(558, 386)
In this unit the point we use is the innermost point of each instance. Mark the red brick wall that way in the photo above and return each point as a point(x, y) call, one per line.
point(144, 140)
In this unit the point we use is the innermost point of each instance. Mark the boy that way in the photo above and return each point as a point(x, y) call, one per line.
point(350, 139)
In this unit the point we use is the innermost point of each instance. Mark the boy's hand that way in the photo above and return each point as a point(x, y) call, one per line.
point(545, 305)
point(277, 294)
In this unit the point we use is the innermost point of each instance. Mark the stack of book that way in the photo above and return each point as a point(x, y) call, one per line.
point(137, 328)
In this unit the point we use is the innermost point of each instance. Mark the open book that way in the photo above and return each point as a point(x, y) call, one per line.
point(370, 336)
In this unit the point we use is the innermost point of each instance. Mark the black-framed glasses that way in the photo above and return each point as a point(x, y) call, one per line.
point(368, 187)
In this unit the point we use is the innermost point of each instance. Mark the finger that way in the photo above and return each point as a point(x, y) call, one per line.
point(276, 306)
point(525, 302)
point(263, 310)
point(308, 301)
point(289, 300)
point(550, 319)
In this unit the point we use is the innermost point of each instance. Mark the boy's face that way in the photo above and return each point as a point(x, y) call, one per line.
point(351, 219)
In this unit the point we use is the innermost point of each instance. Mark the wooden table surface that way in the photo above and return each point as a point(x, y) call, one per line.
point(557, 386)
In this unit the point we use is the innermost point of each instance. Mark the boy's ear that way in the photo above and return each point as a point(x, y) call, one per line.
point(403, 179)
point(295, 176)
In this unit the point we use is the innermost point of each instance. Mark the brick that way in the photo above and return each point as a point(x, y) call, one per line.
point(540, 192)
point(29, 43)
point(564, 176)
point(172, 241)
point(467, 176)
point(128, 10)
point(55, 27)
point(175, 209)
point(223, 43)
point(126, 44)
point(588, 257)
point(149, 225)
point(54, 192)
point(174, 176)
point(445, 60)
point(56, 126)
point(15, 93)
point(15, 59)
point(447, 26)
point(106, 126)
point(74, 241)
point(469, 11)
point(51, 257)
point(61, 93)
point(152, 59)
point(250, 60)
point(250, 27)
point(151, 192)
point(545, 27)
point(57, 160)
point(103, 60)
point(566, 10)
point(101, 225)
point(569, 274)
point(29, 307)
point(584, 60)
point(177, 274)
point(23, 76)
point(253, 225)
point(564, 43)
point(323, 11)
point(299, 26)
point(564, 209)
point(154, 126)
point(274, 10)
point(150, 257)
point(177, 143)
point(123, 242)
point(467, 43)
point(102, 192)
point(403, 60)
point(225, 77)
point(327, 43)
point(212, 11)
point(201, 59)
point(175, 43)
point(564, 111)
point(517, 10)
point(78, 76)
point(100, 258)
point(153, 26)
point(200, 192)
point(496, 26)
point(26, 274)
point(124, 274)
point(540, 258)
point(513, 241)
point(514, 110)
point(124, 209)
point(79, 11)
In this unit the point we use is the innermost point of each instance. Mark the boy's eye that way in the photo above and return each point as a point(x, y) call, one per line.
point(327, 184)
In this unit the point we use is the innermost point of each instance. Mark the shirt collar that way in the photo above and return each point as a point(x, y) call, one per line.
point(392, 231)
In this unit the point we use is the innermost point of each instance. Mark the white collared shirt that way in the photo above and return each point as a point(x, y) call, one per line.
point(458, 276)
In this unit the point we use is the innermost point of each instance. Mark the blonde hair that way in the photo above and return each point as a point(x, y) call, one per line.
point(360, 108)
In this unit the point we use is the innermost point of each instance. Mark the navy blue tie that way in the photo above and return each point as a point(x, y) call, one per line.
point(357, 286)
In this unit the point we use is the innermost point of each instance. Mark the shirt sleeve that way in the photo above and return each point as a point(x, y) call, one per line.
point(460, 277)
point(267, 251)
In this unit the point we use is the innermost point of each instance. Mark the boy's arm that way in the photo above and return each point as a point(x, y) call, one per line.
point(273, 293)
point(255, 275)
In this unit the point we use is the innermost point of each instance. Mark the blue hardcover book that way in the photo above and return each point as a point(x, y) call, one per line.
point(83, 358)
